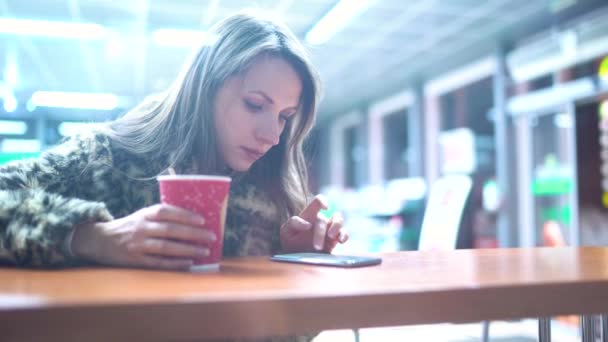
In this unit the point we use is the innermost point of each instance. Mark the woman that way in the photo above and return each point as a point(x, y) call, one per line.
point(241, 107)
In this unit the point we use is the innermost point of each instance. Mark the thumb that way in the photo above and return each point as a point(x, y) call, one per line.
point(310, 212)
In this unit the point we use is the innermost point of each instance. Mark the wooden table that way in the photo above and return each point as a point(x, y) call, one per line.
point(256, 297)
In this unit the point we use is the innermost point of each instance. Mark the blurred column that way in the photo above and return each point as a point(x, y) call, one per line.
point(41, 132)
point(520, 202)
point(431, 134)
point(362, 149)
point(506, 180)
point(415, 133)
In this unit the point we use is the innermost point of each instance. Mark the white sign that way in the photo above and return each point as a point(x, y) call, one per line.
point(457, 148)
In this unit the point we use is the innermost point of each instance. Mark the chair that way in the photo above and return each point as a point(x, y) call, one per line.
point(442, 218)
point(443, 213)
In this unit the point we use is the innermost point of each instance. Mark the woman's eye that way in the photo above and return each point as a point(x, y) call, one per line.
point(252, 106)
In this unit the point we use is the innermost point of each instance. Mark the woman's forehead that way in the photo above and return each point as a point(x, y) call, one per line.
point(274, 77)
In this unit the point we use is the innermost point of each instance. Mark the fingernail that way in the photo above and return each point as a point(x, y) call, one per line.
point(318, 246)
point(201, 220)
point(202, 252)
point(213, 237)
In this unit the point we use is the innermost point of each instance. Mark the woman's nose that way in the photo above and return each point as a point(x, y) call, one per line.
point(268, 131)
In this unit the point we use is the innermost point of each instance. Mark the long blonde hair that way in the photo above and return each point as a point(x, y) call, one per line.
point(179, 124)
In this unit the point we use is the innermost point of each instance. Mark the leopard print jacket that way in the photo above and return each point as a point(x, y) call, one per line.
point(86, 179)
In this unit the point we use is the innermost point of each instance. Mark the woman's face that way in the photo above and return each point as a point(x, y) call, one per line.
point(252, 109)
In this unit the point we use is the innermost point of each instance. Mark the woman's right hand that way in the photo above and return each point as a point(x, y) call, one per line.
point(161, 236)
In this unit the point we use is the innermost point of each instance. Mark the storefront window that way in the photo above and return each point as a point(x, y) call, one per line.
point(469, 110)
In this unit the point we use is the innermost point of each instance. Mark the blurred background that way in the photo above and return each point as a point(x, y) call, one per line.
point(444, 124)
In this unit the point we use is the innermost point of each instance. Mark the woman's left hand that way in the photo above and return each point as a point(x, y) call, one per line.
point(311, 231)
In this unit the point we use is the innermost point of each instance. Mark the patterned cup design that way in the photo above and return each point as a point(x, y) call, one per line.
point(205, 195)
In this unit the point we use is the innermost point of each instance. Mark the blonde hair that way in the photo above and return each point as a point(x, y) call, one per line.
point(179, 124)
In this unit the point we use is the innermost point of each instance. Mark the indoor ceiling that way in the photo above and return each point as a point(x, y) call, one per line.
point(390, 44)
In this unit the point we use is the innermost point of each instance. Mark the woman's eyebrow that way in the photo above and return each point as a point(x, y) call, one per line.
point(264, 95)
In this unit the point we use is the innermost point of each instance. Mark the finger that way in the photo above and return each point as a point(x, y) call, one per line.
point(180, 232)
point(335, 224)
point(151, 261)
point(310, 212)
point(330, 245)
point(297, 224)
point(168, 248)
point(343, 236)
point(167, 212)
point(320, 230)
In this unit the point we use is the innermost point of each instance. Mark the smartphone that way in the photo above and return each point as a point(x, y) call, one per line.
point(322, 259)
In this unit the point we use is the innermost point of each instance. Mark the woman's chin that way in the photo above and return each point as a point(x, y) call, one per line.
point(241, 166)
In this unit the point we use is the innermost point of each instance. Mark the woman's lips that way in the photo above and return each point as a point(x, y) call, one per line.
point(252, 155)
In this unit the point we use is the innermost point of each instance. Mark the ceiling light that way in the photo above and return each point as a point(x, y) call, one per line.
point(101, 101)
point(340, 15)
point(7, 95)
point(12, 127)
point(52, 29)
point(10, 104)
point(30, 106)
point(19, 145)
point(11, 72)
point(68, 129)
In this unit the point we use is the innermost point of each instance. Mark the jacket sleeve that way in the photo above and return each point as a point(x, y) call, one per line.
point(40, 206)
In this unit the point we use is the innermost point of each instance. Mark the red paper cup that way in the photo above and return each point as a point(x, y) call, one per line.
point(206, 196)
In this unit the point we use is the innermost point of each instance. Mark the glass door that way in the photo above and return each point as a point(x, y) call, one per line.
point(548, 178)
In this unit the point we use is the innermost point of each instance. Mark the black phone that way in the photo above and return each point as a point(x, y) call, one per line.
point(322, 259)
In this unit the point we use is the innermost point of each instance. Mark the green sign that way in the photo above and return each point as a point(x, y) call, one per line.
point(551, 186)
point(560, 214)
point(603, 70)
point(6, 157)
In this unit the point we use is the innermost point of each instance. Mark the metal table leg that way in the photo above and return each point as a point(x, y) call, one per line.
point(587, 329)
point(604, 327)
point(544, 329)
point(357, 337)
point(485, 333)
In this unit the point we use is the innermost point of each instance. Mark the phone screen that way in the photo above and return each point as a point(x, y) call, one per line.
point(322, 259)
